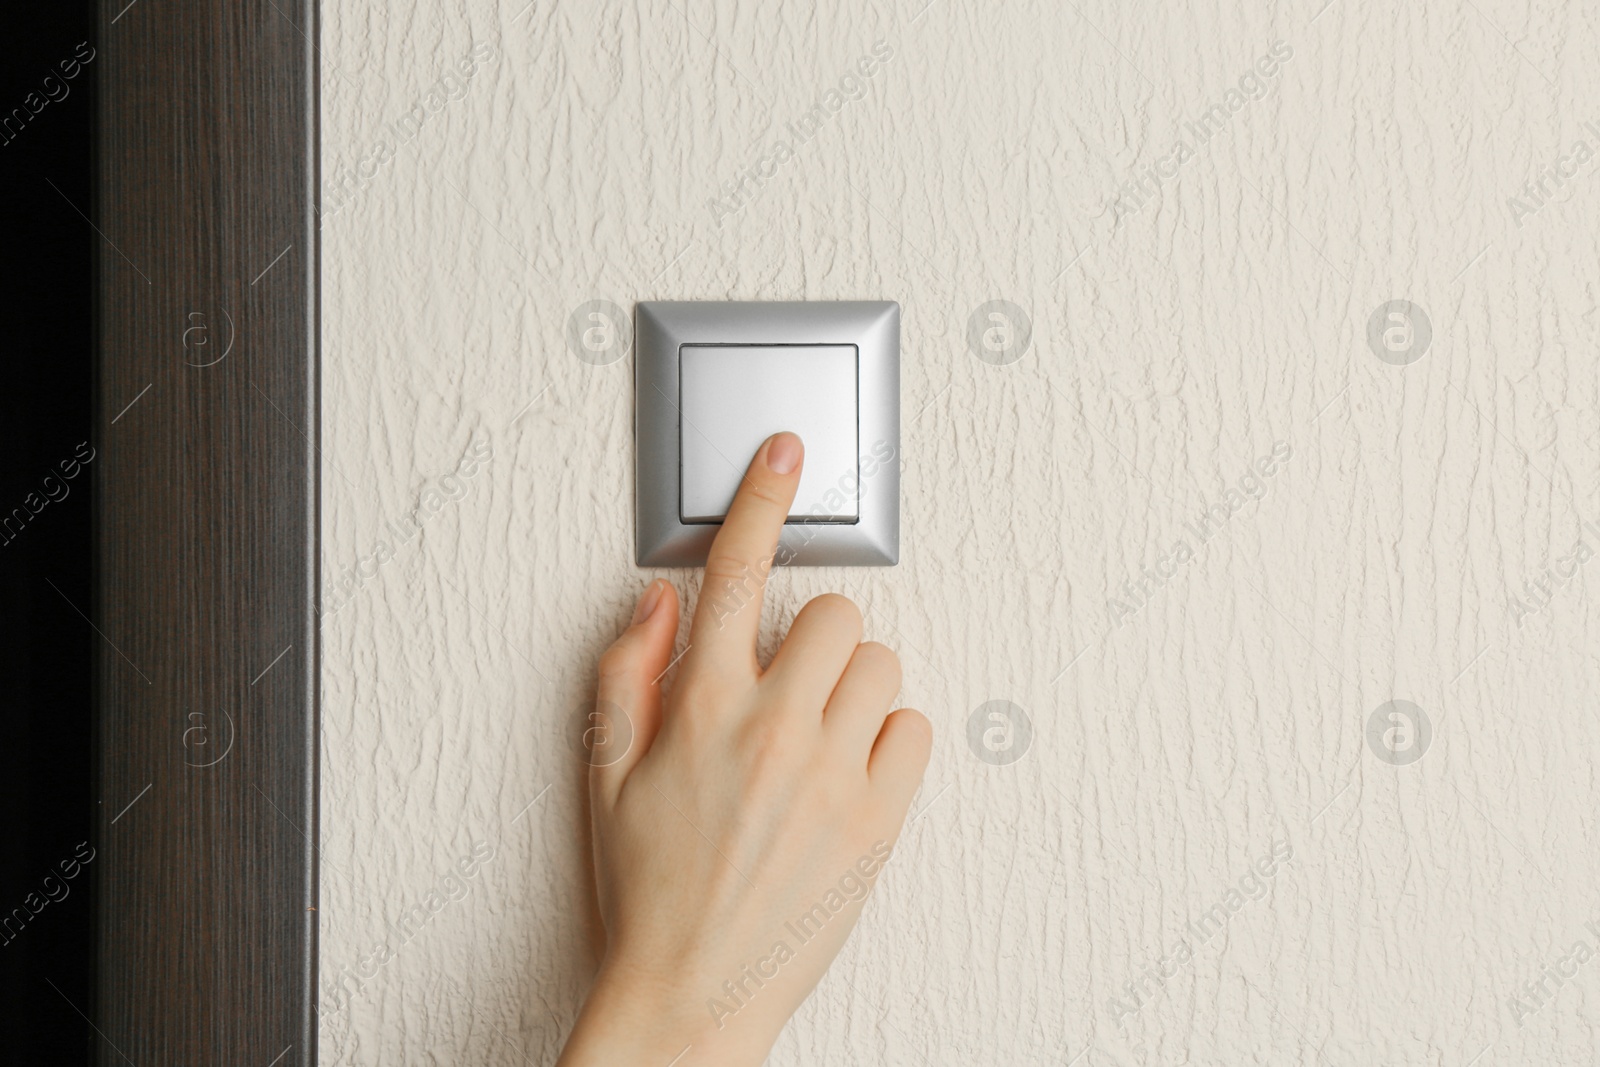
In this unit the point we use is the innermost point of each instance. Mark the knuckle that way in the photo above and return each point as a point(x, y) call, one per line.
point(705, 690)
point(692, 720)
point(616, 663)
point(917, 727)
point(730, 586)
point(766, 492)
point(698, 687)
point(880, 659)
point(725, 569)
point(835, 610)
point(769, 747)
point(918, 722)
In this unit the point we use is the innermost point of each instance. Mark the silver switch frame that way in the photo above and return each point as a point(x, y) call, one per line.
point(663, 327)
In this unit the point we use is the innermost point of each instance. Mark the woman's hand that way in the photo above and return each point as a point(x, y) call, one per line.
point(739, 828)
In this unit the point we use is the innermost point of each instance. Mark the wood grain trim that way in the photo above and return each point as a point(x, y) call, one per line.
point(206, 532)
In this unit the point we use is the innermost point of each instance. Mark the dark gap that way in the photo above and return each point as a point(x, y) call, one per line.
point(46, 918)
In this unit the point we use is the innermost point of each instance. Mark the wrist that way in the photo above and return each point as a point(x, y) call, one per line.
point(631, 1016)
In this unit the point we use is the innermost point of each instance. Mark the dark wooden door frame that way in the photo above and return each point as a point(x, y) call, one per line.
point(206, 583)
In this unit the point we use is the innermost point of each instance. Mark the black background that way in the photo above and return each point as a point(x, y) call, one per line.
point(45, 643)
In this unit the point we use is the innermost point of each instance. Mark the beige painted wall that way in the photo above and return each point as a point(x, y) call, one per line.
point(1181, 732)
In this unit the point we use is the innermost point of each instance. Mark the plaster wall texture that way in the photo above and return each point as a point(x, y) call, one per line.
point(1199, 697)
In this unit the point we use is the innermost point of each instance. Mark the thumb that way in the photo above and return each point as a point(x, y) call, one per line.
point(628, 701)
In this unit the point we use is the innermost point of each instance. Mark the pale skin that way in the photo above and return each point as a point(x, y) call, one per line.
point(744, 798)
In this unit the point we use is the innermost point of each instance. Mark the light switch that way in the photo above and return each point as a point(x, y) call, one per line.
point(713, 379)
point(736, 396)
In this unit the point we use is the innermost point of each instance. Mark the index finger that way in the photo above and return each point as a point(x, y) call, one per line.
point(728, 613)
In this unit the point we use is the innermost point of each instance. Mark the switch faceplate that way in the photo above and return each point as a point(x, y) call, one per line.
point(713, 380)
point(736, 396)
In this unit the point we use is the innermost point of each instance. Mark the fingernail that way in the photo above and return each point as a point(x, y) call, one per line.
point(648, 602)
point(783, 455)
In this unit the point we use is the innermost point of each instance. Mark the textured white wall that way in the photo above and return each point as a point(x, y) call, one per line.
point(1181, 731)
